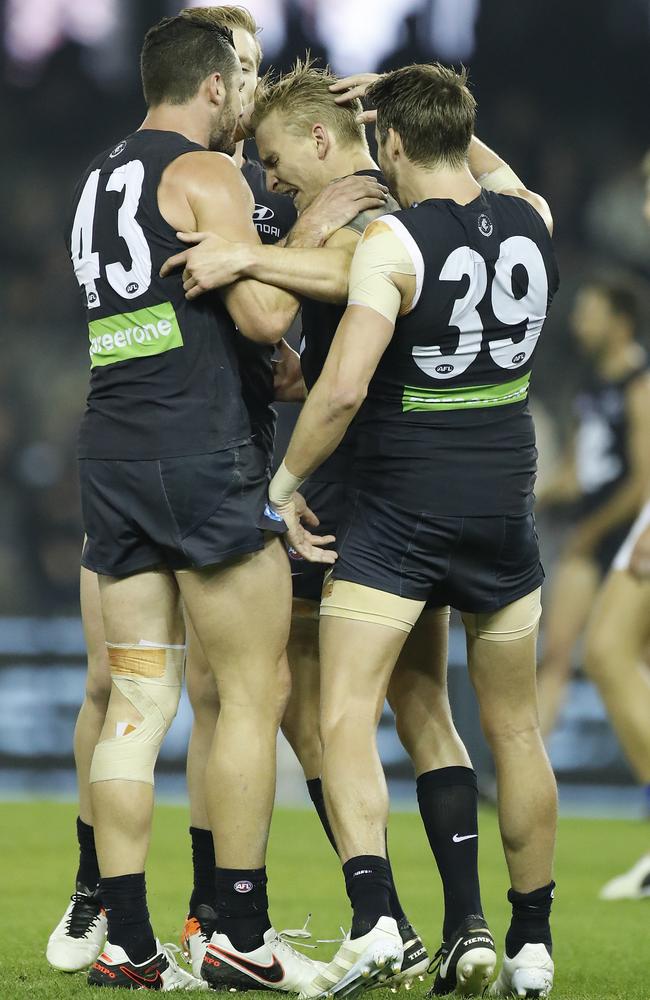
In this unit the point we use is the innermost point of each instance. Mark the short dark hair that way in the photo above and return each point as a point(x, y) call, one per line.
point(431, 108)
point(622, 294)
point(230, 17)
point(179, 53)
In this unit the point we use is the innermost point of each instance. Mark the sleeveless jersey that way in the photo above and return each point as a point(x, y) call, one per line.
point(164, 377)
point(320, 321)
point(445, 427)
point(274, 216)
point(602, 458)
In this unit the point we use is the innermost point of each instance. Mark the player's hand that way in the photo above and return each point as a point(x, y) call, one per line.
point(349, 88)
point(210, 263)
point(288, 384)
point(640, 558)
point(305, 544)
point(340, 202)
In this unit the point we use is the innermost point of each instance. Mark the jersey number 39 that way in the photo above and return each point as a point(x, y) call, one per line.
point(508, 310)
point(127, 283)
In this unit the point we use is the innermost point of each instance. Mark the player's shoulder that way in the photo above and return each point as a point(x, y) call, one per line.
point(202, 171)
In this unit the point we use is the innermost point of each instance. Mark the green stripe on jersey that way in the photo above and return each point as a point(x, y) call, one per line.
point(470, 398)
point(125, 336)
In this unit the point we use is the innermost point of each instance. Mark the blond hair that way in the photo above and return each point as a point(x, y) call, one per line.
point(228, 16)
point(303, 97)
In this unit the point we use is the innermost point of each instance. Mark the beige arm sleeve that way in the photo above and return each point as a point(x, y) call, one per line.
point(385, 249)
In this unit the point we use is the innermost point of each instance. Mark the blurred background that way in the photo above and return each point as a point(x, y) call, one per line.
point(562, 89)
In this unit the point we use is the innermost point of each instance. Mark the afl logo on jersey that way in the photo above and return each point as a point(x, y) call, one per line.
point(132, 287)
point(92, 298)
point(118, 149)
point(444, 369)
point(262, 213)
point(243, 886)
point(518, 358)
point(485, 224)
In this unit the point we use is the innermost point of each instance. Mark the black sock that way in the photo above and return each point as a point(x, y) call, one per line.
point(396, 910)
point(315, 789)
point(368, 882)
point(88, 871)
point(242, 906)
point(448, 801)
point(530, 919)
point(125, 900)
point(204, 891)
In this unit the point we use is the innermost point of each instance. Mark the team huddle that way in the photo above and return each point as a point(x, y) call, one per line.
point(304, 599)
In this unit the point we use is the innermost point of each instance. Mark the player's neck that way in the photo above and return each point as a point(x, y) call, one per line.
point(349, 160)
point(618, 363)
point(238, 155)
point(168, 118)
point(456, 183)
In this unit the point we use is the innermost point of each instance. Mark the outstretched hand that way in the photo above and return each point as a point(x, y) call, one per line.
point(294, 512)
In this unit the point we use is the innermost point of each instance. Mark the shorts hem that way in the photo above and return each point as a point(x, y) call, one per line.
point(216, 560)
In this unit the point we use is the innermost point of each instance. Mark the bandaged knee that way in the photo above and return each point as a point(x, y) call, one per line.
point(150, 677)
point(343, 599)
point(515, 621)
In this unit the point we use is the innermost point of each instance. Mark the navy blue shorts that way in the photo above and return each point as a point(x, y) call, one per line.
point(179, 513)
point(475, 564)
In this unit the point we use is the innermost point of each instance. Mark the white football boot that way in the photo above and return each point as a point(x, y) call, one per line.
point(275, 965)
point(196, 936)
point(361, 963)
point(528, 974)
point(633, 884)
point(79, 936)
point(162, 972)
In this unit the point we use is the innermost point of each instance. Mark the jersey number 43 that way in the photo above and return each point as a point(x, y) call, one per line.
point(127, 283)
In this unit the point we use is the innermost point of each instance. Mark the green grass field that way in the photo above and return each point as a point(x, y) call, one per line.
point(602, 950)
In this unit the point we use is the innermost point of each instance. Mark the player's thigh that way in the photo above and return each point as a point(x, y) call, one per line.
point(502, 660)
point(357, 659)
point(241, 614)
point(619, 624)
point(200, 681)
point(142, 607)
point(304, 663)
point(98, 677)
point(568, 602)
point(420, 675)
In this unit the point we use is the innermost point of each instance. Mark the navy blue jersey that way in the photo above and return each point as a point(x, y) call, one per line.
point(446, 427)
point(320, 321)
point(274, 215)
point(164, 376)
point(602, 434)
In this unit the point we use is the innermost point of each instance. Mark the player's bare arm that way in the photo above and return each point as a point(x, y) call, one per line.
point(563, 487)
point(377, 297)
point(220, 200)
point(298, 267)
point(626, 500)
point(495, 174)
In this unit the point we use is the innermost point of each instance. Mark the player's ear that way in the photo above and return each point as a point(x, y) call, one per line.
point(394, 144)
point(320, 135)
point(215, 88)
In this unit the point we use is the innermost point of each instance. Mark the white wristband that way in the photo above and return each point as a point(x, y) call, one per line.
point(283, 485)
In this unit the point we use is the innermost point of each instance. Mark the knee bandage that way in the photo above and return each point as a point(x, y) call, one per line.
point(150, 677)
point(515, 621)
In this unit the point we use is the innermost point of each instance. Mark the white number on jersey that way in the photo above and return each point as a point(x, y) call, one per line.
point(127, 284)
point(509, 310)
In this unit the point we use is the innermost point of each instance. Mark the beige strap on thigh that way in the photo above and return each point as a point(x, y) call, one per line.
point(343, 599)
point(515, 621)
